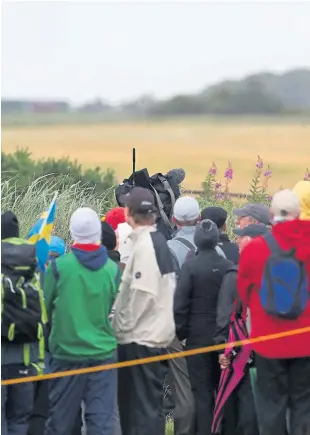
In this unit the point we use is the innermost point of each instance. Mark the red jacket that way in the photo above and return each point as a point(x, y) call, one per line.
point(252, 261)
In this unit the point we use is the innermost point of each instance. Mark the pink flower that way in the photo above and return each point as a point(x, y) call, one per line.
point(218, 186)
point(213, 169)
point(229, 172)
point(307, 175)
point(268, 173)
point(259, 163)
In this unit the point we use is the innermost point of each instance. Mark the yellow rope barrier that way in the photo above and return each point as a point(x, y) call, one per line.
point(168, 356)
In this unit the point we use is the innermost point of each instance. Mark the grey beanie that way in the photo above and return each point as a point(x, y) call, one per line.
point(85, 226)
point(206, 235)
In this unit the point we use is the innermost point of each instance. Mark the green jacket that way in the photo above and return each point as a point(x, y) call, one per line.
point(79, 299)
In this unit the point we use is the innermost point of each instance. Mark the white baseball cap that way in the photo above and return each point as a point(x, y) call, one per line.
point(186, 209)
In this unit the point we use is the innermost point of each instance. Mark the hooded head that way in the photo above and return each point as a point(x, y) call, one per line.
point(302, 190)
point(207, 235)
point(85, 226)
point(108, 237)
point(57, 247)
point(9, 225)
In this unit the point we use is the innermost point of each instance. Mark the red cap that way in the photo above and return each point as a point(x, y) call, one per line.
point(115, 217)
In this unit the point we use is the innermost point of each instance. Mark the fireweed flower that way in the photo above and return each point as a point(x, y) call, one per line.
point(229, 172)
point(218, 186)
point(259, 163)
point(213, 169)
point(268, 173)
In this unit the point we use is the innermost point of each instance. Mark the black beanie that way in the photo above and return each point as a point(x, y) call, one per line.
point(218, 215)
point(9, 225)
point(206, 235)
point(108, 237)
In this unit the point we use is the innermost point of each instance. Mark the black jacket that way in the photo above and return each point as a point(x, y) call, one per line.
point(196, 297)
point(225, 306)
point(229, 248)
point(114, 255)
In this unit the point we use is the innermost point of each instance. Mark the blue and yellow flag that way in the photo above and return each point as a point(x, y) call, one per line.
point(40, 234)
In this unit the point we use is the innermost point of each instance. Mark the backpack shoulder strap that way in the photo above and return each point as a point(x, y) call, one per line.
point(163, 215)
point(190, 246)
point(54, 269)
point(271, 242)
point(168, 188)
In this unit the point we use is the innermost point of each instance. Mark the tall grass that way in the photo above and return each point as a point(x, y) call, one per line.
point(28, 203)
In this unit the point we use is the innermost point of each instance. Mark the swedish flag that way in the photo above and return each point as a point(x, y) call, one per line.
point(40, 234)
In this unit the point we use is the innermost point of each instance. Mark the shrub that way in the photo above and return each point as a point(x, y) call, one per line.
point(27, 194)
point(20, 164)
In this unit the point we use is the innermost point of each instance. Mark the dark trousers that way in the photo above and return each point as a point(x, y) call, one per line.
point(240, 413)
point(204, 373)
point(283, 384)
point(97, 390)
point(140, 391)
point(40, 411)
point(179, 382)
point(16, 400)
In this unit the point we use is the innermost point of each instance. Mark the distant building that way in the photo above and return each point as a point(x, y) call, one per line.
point(22, 106)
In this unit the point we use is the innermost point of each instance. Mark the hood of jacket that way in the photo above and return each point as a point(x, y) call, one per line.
point(9, 225)
point(293, 234)
point(206, 235)
point(302, 189)
point(92, 260)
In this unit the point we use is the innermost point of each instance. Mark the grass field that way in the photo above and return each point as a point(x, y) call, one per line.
point(192, 144)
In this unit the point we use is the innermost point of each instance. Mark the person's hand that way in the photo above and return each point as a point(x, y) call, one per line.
point(224, 361)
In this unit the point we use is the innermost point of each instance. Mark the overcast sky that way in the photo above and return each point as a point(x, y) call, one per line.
point(117, 51)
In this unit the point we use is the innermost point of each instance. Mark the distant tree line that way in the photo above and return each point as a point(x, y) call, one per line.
point(254, 95)
point(24, 168)
point(258, 94)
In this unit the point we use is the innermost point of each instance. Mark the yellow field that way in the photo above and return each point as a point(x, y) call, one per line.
point(164, 145)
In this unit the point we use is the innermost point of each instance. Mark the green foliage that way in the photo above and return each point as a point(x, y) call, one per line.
point(20, 164)
point(28, 195)
point(30, 201)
